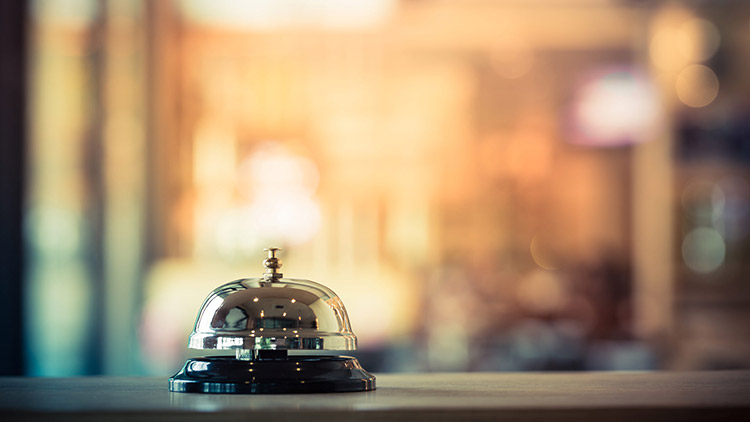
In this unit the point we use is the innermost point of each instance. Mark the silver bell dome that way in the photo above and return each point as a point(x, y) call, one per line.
point(272, 313)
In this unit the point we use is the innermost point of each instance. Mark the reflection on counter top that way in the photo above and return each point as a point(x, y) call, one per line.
point(452, 396)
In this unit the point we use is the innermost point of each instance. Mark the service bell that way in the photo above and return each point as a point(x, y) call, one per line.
point(261, 319)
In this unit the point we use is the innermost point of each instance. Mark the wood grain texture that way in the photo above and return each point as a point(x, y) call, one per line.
point(435, 397)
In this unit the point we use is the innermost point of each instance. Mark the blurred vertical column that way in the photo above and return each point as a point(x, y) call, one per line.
point(653, 227)
point(166, 160)
point(13, 30)
point(124, 158)
point(62, 211)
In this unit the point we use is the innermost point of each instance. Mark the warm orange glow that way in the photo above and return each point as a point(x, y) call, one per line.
point(487, 185)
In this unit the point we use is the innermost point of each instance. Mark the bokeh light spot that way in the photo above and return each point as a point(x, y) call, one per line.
point(703, 249)
point(697, 86)
point(615, 108)
point(698, 40)
point(699, 199)
point(540, 252)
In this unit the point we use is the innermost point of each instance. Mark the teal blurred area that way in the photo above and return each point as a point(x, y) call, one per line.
point(488, 185)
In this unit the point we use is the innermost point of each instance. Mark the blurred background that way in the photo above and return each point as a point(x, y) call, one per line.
point(489, 185)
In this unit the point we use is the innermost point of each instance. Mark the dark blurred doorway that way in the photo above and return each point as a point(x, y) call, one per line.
point(13, 29)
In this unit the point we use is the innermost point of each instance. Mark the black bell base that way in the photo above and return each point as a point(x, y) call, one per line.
point(289, 375)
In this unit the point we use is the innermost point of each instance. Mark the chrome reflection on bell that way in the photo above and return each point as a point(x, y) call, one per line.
point(260, 319)
point(272, 313)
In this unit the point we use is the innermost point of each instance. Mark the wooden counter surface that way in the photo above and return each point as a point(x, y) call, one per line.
point(435, 397)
